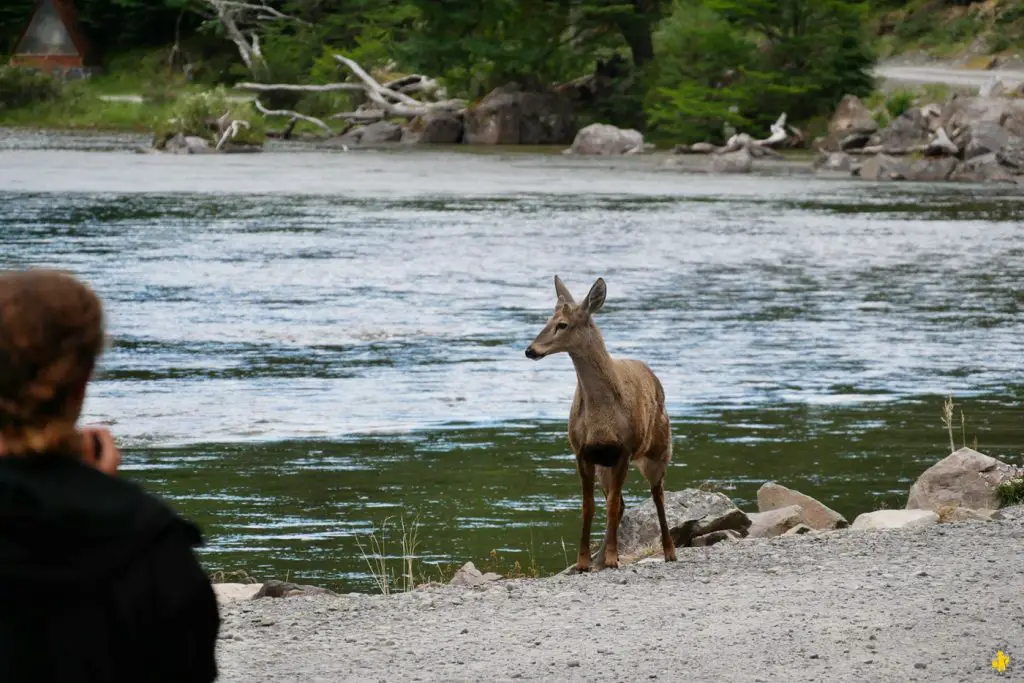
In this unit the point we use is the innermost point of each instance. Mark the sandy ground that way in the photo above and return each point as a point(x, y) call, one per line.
point(932, 604)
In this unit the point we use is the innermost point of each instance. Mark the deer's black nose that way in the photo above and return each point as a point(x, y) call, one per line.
point(530, 353)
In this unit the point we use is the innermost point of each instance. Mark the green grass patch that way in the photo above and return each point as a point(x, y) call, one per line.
point(1011, 492)
point(77, 108)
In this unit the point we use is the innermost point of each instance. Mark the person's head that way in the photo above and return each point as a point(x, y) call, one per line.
point(51, 333)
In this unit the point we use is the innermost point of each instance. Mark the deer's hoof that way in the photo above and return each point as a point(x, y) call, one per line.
point(582, 569)
point(670, 556)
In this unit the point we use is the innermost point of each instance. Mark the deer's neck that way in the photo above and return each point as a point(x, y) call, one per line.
point(594, 370)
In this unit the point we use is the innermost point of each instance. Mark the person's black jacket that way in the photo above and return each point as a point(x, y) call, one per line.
point(98, 581)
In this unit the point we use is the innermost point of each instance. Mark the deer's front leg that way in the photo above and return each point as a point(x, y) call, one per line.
point(587, 482)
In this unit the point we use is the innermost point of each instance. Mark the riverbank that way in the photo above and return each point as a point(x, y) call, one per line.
point(927, 604)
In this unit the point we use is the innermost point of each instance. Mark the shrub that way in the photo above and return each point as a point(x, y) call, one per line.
point(198, 114)
point(898, 102)
point(25, 87)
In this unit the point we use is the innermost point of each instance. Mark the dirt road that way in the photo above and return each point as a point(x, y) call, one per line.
point(933, 604)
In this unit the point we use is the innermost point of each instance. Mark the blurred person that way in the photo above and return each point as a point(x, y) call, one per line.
point(98, 579)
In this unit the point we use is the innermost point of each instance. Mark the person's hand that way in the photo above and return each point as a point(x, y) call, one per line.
point(99, 450)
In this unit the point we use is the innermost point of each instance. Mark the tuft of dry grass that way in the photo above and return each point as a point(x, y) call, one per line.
point(378, 561)
point(237, 576)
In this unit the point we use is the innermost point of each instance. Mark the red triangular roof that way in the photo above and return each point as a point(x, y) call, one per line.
point(66, 13)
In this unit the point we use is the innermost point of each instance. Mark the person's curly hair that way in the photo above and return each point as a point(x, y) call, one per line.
point(51, 333)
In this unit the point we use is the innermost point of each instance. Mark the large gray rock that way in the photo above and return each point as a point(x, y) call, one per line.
point(469, 575)
point(908, 130)
point(774, 522)
point(1011, 155)
point(740, 161)
point(931, 169)
point(985, 168)
point(833, 161)
point(512, 116)
point(882, 167)
point(690, 513)
point(965, 478)
point(851, 116)
point(376, 133)
point(603, 139)
point(435, 128)
point(772, 496)
point(895, 519)
point(984, 138)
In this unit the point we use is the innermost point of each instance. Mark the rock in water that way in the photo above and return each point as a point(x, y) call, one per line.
point(437, 128)
point(376, 133)
point(602, 139)
point(774, 522)
point(965, 478)
point(510, 115)
point(469, 575)
point(690, 513)
point(895, 519)
point(740, 161)
point(772, 496)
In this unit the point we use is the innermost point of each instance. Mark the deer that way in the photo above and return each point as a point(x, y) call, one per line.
point(618, 417)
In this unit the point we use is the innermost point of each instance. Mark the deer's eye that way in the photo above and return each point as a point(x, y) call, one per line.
point(561, 326)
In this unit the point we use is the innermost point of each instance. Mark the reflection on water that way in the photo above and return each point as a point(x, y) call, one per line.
point(302, 345)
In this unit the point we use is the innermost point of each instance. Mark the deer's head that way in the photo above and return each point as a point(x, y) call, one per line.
point(568, 328)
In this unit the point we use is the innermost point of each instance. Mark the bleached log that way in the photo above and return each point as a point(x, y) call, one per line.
point(404, 105)
point(232, 130)
point(778, 133)
point(296, 116)
point(360, 116)
point(941, 144)
point(289, 87)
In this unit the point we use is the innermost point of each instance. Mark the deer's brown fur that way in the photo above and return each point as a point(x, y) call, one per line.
point(618, 416)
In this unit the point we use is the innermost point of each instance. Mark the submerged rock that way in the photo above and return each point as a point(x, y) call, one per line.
point(603, 139)
point(740, 161)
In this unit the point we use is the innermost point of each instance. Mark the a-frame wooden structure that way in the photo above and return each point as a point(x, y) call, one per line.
point(52, 40)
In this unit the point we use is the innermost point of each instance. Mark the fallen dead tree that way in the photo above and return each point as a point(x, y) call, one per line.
point(389, 100)
point(743, 141)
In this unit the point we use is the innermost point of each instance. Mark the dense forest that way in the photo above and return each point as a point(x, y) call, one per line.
point(673, 68)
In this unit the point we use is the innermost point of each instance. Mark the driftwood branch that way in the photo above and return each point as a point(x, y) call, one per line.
point(231, 131)
point(757, 148)
point(289, 87)
point(295, 116)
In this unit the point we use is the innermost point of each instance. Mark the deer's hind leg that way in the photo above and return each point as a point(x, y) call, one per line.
point(653, 470)
point(612, 480)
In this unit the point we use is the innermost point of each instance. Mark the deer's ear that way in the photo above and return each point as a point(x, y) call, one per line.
point(595, 297)
point(563, 292)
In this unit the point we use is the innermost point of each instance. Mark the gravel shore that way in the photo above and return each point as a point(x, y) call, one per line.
point(930, 604)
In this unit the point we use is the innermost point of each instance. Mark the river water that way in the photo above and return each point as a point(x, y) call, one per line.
point(304, 345)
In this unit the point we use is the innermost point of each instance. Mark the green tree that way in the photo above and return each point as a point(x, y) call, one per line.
point(819, 47)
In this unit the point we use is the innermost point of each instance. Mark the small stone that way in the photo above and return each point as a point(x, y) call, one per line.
point(921, 573)
point(920, 665)
point(774, 570)
point(815, 656)
point(573, 664)
point(464, 631)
